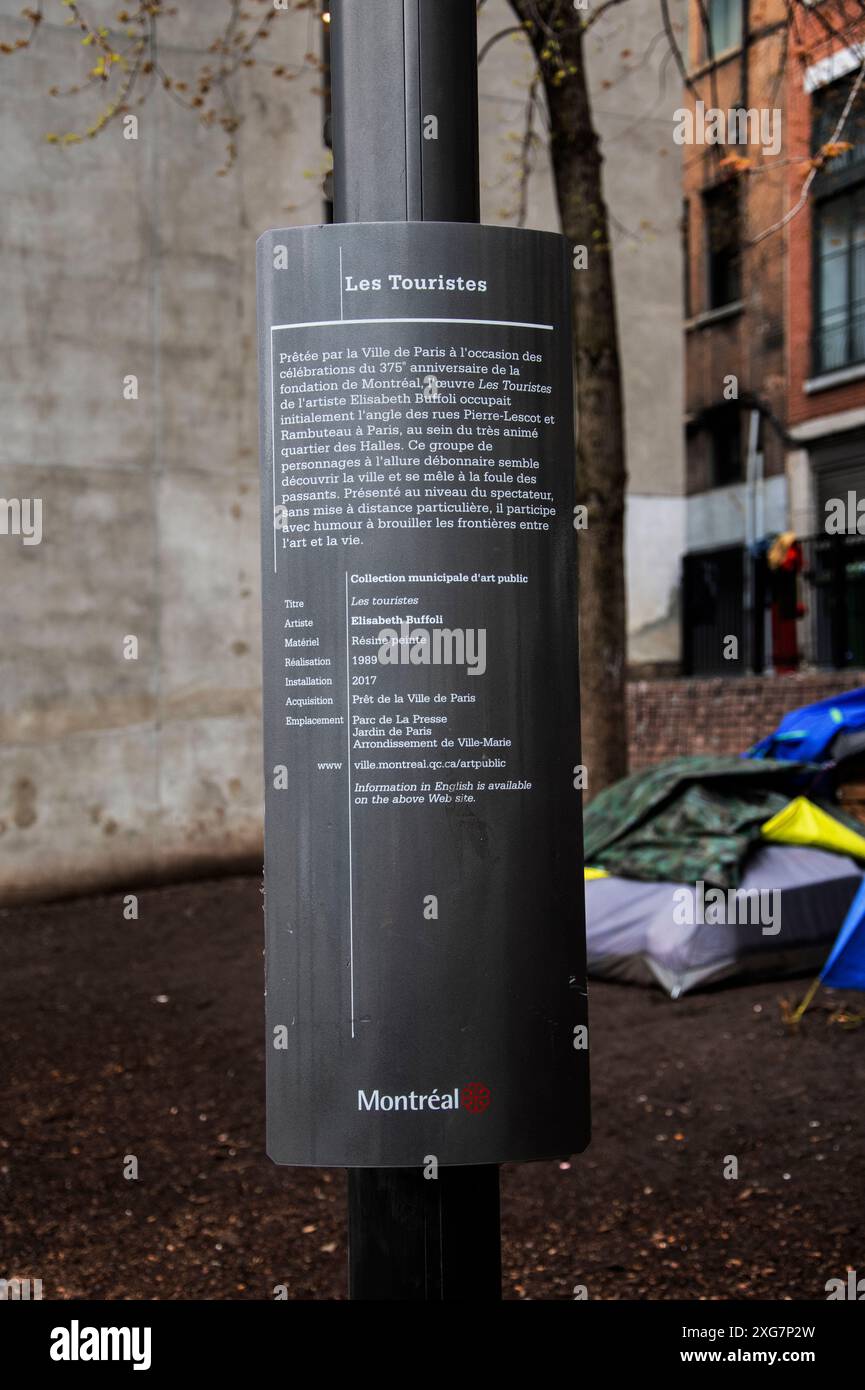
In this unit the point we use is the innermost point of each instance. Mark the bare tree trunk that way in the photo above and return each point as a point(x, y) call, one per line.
point(556, 35)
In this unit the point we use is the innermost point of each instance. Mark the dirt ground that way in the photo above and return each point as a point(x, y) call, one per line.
point(146, 1038)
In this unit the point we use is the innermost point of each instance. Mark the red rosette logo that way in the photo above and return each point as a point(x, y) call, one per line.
point(475, 1097)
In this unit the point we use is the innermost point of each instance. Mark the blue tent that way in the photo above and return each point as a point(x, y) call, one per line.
point(808, 735)
point(804, 735)
point(845, 966)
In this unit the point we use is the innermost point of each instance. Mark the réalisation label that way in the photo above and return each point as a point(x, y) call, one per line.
point(425, 952)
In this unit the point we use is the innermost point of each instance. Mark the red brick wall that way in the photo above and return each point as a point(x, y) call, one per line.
point(723, 715)
point(751, 344)
point(808, 44)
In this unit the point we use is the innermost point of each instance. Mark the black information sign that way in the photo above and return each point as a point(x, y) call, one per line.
point(424, 897)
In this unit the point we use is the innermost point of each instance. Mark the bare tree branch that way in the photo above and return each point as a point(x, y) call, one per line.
point(527, 146)
point(502, 34)
point(812, 172)
point(596, 14)
point(674, 46)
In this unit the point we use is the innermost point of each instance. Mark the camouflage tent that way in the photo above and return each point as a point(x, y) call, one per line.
point(689, 819)
point(741, 829)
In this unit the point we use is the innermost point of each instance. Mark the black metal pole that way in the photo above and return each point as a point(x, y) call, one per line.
point(405, 111)
point(838, 603)
point(429, 1239)
point(405, 143)
point(758, 614)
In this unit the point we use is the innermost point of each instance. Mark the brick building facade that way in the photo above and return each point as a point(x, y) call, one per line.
point(774, 235)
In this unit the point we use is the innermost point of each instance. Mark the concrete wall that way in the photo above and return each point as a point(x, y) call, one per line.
point(635, 91)
point(134, 258)
point(719, 517)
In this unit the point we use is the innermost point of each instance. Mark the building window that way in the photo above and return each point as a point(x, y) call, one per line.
point(724, 426)
point(721, 208)
point(713, 605)
point(839, 243)
point(839, 232)
point(723, 19)
point(827, 108)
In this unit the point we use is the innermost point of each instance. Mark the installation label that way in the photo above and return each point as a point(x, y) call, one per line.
point(425, 952)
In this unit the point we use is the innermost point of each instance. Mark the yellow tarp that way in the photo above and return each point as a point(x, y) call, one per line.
point(803, 823)
point(595, 873)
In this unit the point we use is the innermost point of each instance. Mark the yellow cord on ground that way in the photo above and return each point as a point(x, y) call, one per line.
point(800, 1009)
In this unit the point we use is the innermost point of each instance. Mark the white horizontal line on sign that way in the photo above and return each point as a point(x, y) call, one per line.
point(343, 323)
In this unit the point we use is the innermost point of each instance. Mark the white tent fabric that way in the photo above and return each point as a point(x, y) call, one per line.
point(657, 933)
